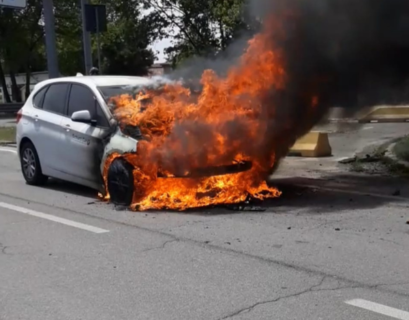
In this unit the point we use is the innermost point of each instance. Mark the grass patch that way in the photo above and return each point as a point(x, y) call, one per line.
point(8, 134)
point(401, 149)
point(396, 168)
point(357, 166)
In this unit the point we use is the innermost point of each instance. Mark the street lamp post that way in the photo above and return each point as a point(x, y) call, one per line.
point(52, 60)
point(86, 42)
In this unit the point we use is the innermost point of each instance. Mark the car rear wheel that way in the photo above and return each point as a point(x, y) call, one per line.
point(120, 182)
point(30, 165)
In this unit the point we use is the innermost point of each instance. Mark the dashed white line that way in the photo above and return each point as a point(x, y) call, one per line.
point(8, 150)
point(379, 308)
point(53, 218)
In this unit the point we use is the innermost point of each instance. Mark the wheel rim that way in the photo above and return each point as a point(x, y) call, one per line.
point(119, 188)
point(29, 163)
point(119, 184)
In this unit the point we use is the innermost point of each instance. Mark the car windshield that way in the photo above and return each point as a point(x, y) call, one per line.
point(109, 92)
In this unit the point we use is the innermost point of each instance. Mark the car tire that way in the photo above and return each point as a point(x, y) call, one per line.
point(120, 182)
point(30, 165)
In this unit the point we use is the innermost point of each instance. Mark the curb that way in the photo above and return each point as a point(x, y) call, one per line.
point(377, 114)
point(361, 152)
point(8, 143)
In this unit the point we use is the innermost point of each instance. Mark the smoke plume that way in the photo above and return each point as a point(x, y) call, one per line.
point(310, 56)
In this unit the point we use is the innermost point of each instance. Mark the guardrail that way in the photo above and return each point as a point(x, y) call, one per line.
point(10, 107)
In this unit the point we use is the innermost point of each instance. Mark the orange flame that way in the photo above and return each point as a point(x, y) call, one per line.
point(225, 123)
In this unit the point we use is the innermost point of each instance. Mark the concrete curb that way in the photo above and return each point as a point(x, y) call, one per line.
point(315, 144)
point(386, 114)
point(368, 149)
point(378, 114)
point(8, 143)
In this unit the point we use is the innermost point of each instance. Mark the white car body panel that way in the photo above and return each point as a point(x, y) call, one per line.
point(73, 151)
point(119, 143)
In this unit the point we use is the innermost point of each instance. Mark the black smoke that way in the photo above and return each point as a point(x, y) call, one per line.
point(357, 51)
point(346, 53)
point(350, 54)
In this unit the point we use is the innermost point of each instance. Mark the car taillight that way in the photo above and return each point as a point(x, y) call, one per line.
point(19, 114)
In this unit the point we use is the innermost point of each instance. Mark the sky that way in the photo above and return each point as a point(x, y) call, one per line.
point(160, 46)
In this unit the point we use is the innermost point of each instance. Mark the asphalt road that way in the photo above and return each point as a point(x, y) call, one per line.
point(329, 251)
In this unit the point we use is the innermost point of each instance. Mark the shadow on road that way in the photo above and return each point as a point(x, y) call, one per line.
point(322, 196)
point(313, 196)
point(340, 192)
point(71, 188)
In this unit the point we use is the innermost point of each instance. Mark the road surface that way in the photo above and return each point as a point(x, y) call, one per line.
point(329, 251)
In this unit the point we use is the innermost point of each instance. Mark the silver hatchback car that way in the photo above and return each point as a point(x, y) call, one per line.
point(66, 130)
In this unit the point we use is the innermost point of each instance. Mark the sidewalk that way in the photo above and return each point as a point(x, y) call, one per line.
point(346, 140)
point(7, 122)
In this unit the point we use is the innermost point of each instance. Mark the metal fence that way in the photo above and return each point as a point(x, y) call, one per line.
point(10, 108)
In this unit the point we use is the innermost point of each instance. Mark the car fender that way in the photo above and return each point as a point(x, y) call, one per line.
point(118, 143)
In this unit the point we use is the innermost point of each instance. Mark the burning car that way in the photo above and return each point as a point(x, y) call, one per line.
point(67, 130)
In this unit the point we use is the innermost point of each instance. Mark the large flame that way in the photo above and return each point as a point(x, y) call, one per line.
point(226, 122)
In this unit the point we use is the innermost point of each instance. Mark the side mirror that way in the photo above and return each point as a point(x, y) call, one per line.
point(82, 116)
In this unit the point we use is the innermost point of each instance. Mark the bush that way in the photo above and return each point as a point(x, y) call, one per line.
point(401, 149)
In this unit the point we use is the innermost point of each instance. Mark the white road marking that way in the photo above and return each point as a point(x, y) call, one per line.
point(53, 218)
point(379, 308)
point(359, 193)
point(8, 150)
point(367, 128)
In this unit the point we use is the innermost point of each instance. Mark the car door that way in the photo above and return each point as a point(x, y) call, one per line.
point(47, 137)
point(83, 153)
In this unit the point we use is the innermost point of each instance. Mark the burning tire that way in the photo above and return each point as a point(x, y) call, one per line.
point(30, 165)
point(120, 182)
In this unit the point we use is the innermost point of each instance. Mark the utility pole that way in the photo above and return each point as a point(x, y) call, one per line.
point(52, 60)
point(86, 42)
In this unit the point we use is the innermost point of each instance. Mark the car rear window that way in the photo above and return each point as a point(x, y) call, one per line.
point(55, 98)
point(39, 98)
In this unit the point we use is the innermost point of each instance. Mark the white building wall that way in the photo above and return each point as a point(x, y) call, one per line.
point(35, 78)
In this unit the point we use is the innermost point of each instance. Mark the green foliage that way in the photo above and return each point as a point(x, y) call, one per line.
point(124, 47)
point(197, 28)
point(205, 28)
point(401, 149)
point(20, 37)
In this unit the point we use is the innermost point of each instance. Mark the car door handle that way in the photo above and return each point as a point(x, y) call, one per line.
point(36, 118)
point(67, 127)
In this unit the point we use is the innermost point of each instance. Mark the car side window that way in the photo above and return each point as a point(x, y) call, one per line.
point(82, 98)
point(39, 98)
point(55, 97)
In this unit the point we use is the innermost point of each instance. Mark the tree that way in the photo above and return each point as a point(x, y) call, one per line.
point(206, 28)
point(20, 36)
point(125, 44)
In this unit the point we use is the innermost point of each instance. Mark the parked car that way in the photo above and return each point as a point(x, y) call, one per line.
point(66, 130)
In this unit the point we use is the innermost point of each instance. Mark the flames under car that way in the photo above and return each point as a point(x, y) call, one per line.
point(120, 178)
point(236, 167)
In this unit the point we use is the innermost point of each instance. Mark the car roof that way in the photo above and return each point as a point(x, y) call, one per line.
point(102, 81)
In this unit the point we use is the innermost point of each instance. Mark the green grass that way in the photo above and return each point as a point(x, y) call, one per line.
point(7, 134)
point(401, 149)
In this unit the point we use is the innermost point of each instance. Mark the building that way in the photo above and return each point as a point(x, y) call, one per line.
point(159, 69)
point(35, 78)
